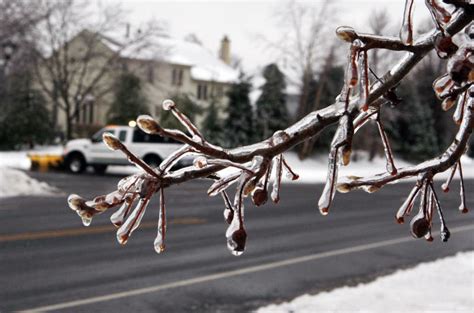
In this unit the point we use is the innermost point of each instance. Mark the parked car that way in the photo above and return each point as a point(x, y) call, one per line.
point(80, 153)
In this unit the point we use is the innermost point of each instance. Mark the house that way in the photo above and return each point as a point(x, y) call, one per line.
point(166, 66)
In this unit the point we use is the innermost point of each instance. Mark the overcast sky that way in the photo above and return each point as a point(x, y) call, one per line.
point(244, 20)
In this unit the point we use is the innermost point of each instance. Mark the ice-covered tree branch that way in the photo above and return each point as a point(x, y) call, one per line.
point(260, 166)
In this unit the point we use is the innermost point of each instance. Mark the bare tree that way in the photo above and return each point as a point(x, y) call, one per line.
point(360, 100)
point(75, 53)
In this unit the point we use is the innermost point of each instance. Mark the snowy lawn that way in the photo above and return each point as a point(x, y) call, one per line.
point(14, 182)
point(445, 285)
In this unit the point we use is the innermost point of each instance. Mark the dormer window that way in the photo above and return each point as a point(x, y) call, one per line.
point(177, 76)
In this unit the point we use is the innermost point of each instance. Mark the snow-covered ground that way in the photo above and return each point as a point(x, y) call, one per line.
point(445, 285)
point(14, 182)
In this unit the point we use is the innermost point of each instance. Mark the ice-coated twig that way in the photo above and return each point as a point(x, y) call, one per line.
point(159, 243)
point(278, 168)
point(223, 183)
point(169, 105)
point(445, 234)
point(462, 192)
point(406, 31)
point(113, 143)
point(390, 165)
point(419, 224)
point(439, 14)
point(363, 80)
point(407, 204)
point(445, 186)
point(291, 174)
point(459, 112)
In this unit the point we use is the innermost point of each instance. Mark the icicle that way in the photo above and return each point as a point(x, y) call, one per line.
point(459, 112)
point(390, 164)
point(445, 186)
point(354, 71)
point(419, 224)
point(159, 243)
point(407, 204)
point(275, 195)
point(462, 207)
point(406, 31)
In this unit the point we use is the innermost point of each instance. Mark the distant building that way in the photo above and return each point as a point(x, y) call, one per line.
point(172, 67)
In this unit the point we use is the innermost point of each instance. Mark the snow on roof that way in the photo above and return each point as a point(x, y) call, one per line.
point(204, 64)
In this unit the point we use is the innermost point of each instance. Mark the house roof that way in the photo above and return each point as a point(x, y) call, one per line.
point(204, 64)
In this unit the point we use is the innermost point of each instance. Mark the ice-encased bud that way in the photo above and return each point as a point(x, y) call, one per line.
point(259, 196)
point(445, 234)
point(279, 137)
point(200, 162)
point(445, 46)
point(158, 244)
point(148, 124)
point(343, 187)
point(460, 68)
point(236, 242)
point(168, 104)
point(78, 204)
point(346, 33)
point(112, 142)
point(419, 226)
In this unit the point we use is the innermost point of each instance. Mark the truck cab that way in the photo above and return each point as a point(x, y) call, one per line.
point(81, 153)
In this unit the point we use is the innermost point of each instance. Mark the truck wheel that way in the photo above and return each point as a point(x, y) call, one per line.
point(99, 169)
point(152, 160)
point(75, 163)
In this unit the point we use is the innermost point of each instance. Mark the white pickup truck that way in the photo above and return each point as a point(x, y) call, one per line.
point(80, 153)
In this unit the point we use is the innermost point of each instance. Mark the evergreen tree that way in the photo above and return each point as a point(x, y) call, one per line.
point(415, 131)
point(271, 113)
point(185, 105)
point(25, 119)
point(239, 125)
point(129, 100)
point(212, 128)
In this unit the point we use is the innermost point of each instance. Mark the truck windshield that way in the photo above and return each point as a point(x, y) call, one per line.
point(97, 137)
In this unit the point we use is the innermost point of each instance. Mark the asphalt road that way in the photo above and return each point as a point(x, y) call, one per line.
point(49, 260)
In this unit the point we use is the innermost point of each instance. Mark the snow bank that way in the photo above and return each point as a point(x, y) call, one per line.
point(445, 285)
point(15, 183)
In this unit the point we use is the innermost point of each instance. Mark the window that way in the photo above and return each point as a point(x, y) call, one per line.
point(220, 91)
point(123, 135)
point(141, 137)
point(150, 74)
point(177, 77)
point(202, 91)
point(97, 137)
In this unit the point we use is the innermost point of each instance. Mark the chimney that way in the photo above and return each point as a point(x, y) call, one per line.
point(127, 30)
point(224, 52)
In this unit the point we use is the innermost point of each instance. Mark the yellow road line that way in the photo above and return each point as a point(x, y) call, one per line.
point(71, 232)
